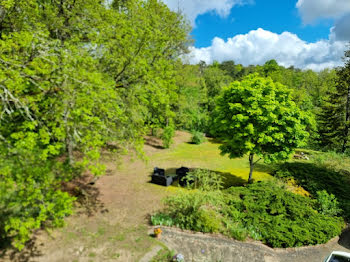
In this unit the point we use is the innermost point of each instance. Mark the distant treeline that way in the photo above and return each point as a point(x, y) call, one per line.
point(314, 93)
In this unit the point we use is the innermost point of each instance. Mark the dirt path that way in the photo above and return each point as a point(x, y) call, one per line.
point(118, 231)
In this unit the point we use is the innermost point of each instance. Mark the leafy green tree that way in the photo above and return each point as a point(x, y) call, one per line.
point(190, 109)
point(74, 75)
point(215, 79)
point(236, 71)
point(257, 117)
point(140, 52)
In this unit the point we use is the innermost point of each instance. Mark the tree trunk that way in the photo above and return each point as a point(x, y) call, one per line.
point(68, 140)
point(251, 165)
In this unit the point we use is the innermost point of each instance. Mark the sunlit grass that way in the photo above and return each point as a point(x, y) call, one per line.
point(207, 156)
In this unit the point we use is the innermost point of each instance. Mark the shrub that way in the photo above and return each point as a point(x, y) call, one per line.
point(195, 210)
point(161, 219)
point(283, 219)
point(208, 220)
point(319, 177)
point(327, 203)
point(204, 180)
point(167, 137)
point(235, 230)
point(198, 138)
point(264, 211)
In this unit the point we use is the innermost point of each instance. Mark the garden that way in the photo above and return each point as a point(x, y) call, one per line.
point(95, 97)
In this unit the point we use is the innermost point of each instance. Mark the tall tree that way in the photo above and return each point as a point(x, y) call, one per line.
point(335, 111)
point(257, 117)
point(75, 74)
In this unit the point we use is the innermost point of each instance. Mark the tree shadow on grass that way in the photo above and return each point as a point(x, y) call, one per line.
point(154, 142)
point(261, 167)
point(28, 253)
point(87, 194)
point(315, 178)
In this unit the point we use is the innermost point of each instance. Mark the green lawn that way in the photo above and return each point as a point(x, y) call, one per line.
point(207, 156)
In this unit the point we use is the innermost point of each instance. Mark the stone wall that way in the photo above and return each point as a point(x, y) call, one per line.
point(201, 247)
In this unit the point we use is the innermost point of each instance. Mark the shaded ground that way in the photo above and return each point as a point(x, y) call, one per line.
point(117, 228)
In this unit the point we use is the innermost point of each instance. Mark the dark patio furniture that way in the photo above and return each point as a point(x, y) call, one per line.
point(161, 179)
point(159, 171)
point(182, 173)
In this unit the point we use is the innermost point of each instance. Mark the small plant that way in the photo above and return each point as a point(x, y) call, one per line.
point(327, 203)
point(198, 138)
point(161, 219)
point(204, 180)
point(164, 255)
point(208, 220)
point(168, 135)
point(157, 232)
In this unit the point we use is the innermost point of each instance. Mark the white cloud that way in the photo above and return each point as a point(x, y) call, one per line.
point(259, 46)
point(193, 8)
point(341, 30)
point(312, 10)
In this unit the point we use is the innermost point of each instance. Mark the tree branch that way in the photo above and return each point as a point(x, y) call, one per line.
point(257, 161)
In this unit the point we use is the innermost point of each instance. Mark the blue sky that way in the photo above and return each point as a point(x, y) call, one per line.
point(309, 34)
point(272, 15)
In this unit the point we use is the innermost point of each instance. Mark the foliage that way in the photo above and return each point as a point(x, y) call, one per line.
point(164, 255)
point(332, 160)
point(204, 180)
point(282, 218)
point(192, 95)
point(195, 210)
point(328, 204)
point(160, 219)
point(215, 79)
point(30, 198)
point(257, 117)
point(265, 211)
point(315, 178)
point(75, 75)
point(167, 136)
point(335, 114)
point(198, 138)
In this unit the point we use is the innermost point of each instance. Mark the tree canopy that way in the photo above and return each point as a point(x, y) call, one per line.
point(74, 75)
point(335, 111)
point(257, 116)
